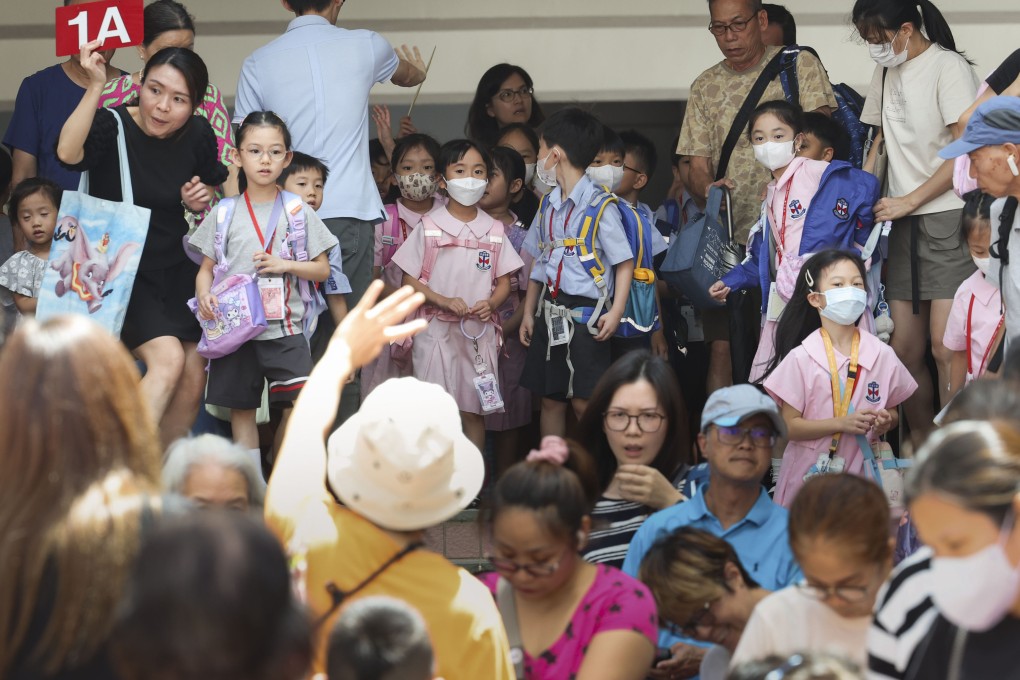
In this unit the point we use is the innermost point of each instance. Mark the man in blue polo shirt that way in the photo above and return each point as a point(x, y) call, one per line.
point(739, 427)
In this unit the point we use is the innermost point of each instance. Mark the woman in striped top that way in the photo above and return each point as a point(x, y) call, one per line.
point(635, 425)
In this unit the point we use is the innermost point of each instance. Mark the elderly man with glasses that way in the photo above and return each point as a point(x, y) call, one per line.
point(739, 429)
point(717, 96)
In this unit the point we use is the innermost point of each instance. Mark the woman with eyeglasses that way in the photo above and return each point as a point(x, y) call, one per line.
point(565, 617)
point(635, 426)
point(505, 95)
point(839, 534)
point(964, 500)
point(702, 591)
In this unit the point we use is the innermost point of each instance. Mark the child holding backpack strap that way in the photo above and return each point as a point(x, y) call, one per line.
point(580, 262)
point(259, 233)
point(834, 382)
point(810, 205)
point(414, 171)
point(457, 257)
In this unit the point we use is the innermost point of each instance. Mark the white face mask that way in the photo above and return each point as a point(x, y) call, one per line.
point(466, 190)
point(844, 305)
point(608, 176)
point(529, 173)
point(546, 175)
point(975, 592)
point(885, 54)
point(774, 155)
point(982, 264)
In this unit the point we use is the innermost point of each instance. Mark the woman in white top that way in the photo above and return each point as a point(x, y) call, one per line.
point(839, 533)
point(920, 87)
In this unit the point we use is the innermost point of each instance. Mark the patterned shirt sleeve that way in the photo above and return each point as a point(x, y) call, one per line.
point(696, 131)
point(216, 113)
point(815, 88)
point(629, 606)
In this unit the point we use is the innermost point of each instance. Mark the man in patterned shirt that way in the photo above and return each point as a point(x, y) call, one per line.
point(716, 97)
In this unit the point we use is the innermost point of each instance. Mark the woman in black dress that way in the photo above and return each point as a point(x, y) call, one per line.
point(172, 156)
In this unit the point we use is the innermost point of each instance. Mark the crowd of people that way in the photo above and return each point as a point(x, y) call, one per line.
point(805, 466)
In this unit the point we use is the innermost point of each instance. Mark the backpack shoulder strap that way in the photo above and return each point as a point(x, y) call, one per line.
point(295, 209)
point(767, 75)
point(393, 222)
point(224, 215)
point(433, 237)
point(588, 255)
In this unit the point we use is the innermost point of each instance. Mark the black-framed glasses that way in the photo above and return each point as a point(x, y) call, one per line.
point(634, 170)
point(509, 95)
point(737, 26)
point(648, 422)
point(760, 436)
point(539, 570)
point(849, 594)
point(690, 629)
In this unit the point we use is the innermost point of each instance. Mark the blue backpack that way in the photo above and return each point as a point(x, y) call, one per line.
point(641, 316)
point(849, 103)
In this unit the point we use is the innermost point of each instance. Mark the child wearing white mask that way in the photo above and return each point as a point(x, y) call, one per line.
point(810, 205)
point(977, 320)
point(838, 386)
point(414, 172)
point(458, 258)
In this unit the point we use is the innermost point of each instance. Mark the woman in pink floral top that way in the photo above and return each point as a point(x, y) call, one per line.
point(168, 24)
point(577, 621)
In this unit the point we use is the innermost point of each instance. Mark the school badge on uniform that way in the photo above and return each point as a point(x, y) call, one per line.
point(568, 251)
point(873, 396)
point(484, 260)
point(797, 209)
point(842, 209)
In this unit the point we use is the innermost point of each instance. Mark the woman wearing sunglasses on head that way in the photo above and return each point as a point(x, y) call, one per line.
point(564, 616)
point(839, 534)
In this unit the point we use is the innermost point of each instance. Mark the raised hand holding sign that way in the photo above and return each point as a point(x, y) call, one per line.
point(111, 23)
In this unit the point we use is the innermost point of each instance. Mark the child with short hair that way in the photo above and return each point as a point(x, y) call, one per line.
point(34, 206)
point(380, 163)
point(306, 178)
point(258, 242)
point(606, 169)
point(417, 179)
point(823, 139)
point(976, 320)
point(380, 638)
point(576, 313)
point(679, 207)
point(457, 257)
point(522, 139)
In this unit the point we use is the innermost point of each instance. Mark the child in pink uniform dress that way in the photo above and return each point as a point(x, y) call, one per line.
point(464, 286)
point(505, 184)
point(414, 170)
point(788, 232)
point(817, 345)
point(976, 320)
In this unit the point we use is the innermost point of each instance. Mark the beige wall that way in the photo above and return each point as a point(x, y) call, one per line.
point(584, 50)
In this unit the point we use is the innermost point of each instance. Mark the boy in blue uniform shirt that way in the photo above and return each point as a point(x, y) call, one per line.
point(568, 314)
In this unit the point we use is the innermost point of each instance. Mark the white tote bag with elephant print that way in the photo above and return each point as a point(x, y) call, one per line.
point(97, 245)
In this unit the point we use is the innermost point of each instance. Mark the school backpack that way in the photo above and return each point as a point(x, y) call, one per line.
point(295, 247)
point(392, 225)
point(849, 102)
point(641, 315)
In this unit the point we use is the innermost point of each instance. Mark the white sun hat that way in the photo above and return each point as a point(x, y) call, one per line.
point(402, 461)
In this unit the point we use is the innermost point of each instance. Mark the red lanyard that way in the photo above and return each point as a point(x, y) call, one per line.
point(782, 230)
point(991, 341)
point(554, 288)
point(403, 228)
point(251, 213)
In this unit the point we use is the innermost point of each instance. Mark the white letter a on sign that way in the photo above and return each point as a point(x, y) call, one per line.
point(113, 27)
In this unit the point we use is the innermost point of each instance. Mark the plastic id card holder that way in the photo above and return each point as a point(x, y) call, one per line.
point(488, 392)
point(271, 292)
point(826, 465)
point(559, 330)
point(776, 304)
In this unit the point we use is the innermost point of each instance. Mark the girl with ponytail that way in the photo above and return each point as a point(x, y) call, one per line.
point(921, 85)
point(565, 617)
point(837, 386)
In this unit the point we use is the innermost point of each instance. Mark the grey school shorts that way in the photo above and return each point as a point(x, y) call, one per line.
point(942, 260)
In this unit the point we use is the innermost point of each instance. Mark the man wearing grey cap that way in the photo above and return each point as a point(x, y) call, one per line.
point(739, 428)
point(992, 140)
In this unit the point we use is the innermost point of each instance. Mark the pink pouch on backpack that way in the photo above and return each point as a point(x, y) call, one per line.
point(787, 274)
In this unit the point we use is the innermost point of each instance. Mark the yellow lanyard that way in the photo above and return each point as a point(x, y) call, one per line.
point(841, 395)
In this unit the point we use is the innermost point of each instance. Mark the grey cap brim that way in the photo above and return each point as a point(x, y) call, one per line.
point(776, 418)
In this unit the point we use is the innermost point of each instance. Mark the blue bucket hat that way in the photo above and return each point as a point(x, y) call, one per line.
point(997, 121)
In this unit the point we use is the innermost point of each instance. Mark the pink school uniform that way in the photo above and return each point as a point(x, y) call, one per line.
point(803, 381)
point(977, 305)
point(517, 400)
point(442, 353)
point(388, 239)
point(786, 205)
